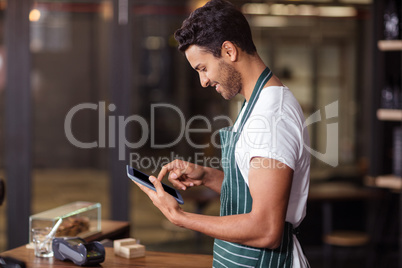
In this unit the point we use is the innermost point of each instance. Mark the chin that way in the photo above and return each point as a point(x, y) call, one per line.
point(226, 97)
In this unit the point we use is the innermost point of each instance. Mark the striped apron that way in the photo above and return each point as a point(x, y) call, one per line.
point(236, 199)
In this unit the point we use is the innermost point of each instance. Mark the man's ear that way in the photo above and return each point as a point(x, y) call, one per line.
point(229, 51)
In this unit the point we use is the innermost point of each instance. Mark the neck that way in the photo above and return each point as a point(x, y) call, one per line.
point(251, 71)
point(250, 75)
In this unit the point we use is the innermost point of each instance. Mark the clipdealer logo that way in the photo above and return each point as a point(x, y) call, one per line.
point(115, 127)
point(330, 156)
point(112, 131)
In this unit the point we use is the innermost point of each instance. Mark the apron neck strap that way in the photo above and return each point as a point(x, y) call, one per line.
point(262, 80)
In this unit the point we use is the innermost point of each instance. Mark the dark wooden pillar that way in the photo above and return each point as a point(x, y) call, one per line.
point(121, 81)
point(18, 122)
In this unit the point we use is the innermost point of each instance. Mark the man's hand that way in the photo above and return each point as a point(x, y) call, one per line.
point(183, 174)
point(161, 199)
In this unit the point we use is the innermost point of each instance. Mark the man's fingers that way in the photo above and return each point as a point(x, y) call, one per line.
point(177, 184)
point(189, 183)
point(175, 178)
point(175, 165)
point(144, 188)
point(163, 172)
point(178, 172)
point(156, 183)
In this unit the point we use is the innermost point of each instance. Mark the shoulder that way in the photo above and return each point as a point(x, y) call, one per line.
point(277, 100)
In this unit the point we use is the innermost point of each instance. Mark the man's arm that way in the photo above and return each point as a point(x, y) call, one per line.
point(184, 174)
point(269, 182)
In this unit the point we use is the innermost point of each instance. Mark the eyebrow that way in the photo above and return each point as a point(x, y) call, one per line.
point(197, 66)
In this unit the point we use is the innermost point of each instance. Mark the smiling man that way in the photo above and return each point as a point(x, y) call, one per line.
point(265, 168)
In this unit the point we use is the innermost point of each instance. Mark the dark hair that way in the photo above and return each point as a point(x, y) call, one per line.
point(211, 25)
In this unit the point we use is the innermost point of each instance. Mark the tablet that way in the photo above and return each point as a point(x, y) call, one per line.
point(143, 179)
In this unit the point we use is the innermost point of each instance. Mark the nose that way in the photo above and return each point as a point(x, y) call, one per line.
point(204, 80)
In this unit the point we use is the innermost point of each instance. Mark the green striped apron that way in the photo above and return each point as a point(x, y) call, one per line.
point(236, 199)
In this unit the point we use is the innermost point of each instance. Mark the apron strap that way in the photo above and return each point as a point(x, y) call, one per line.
point(296, 231)
point(262, 80)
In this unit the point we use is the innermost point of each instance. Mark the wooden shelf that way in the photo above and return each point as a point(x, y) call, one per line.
point(389, 114)
point(390, 45)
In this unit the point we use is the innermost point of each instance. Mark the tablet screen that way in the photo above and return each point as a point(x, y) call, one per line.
point(145, 178)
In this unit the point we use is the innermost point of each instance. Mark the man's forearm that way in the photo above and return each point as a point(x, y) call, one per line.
point(213, 179)
point(246, 229)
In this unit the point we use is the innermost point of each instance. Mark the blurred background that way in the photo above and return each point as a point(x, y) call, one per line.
point(75, 70)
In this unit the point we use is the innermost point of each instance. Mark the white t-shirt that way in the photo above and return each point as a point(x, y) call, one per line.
point(275, 130)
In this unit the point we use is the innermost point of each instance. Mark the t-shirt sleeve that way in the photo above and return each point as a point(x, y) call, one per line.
point(272, 136)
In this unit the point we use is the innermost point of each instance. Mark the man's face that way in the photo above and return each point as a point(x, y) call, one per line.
point(215, 72)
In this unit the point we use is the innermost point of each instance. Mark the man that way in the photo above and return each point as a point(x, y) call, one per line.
point(265, 177)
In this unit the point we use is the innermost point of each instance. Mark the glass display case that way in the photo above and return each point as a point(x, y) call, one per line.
point(78, 219)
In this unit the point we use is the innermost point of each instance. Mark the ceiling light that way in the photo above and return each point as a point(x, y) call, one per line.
point(255, 9)
point(337, 11)
point(34, 15)
point(269, 21)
